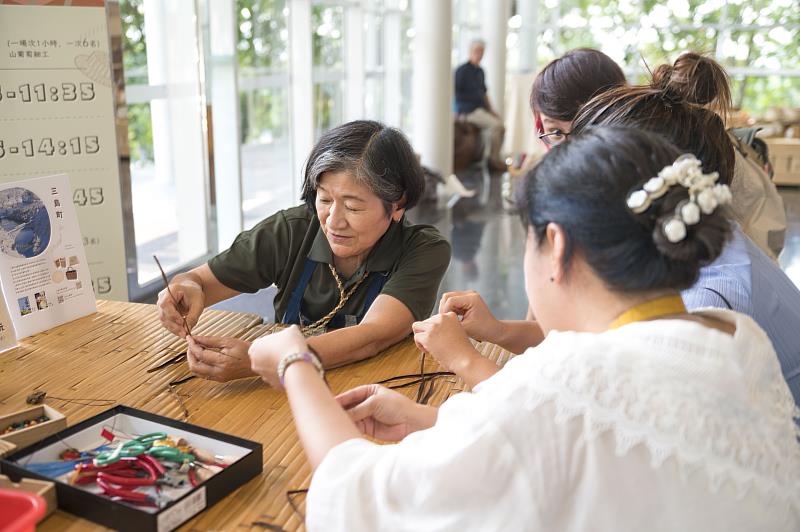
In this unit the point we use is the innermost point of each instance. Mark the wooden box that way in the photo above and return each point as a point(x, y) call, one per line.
point(784, 154)
point(28, 436)
point(47, 490)
point(6, 447)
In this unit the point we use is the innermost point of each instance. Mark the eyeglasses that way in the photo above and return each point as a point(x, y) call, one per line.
point(554, 138)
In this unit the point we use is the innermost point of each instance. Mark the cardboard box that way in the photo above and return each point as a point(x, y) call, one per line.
point(784, 154)
point(29, 436)
point(44, 488)
point(89, 503)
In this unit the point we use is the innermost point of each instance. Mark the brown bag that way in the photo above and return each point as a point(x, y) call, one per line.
point(467, 145)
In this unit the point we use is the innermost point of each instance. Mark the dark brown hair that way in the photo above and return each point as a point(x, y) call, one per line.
point(683, 102)
point(566, 83)
point(628, 251)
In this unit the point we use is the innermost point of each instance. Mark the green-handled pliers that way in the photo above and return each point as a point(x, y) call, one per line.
point(129, 449)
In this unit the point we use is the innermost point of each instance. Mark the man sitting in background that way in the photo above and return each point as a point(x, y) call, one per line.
point(473, 102)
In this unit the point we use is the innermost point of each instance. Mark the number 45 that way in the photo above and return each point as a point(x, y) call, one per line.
point(95, 196)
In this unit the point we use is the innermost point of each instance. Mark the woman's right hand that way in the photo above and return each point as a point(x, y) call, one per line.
point(384, 414)
point(476, 318)
point(190, 303)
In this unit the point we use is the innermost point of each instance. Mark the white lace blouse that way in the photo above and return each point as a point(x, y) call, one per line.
point(662, 425)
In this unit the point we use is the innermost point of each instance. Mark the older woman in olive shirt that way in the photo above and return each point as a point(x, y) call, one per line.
point(347, 264)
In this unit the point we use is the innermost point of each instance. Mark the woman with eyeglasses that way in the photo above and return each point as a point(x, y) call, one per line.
point(559, 90)
point(570, 81)
point(684, 102)
point(633, 413)
point(564, 85)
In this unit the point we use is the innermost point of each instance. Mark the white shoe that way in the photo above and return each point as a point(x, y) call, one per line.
point(454, 186)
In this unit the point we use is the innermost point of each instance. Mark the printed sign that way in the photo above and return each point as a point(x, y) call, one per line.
point(57, 116)
point(43, 266)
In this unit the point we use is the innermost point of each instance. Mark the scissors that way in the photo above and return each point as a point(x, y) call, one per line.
point(129, 449)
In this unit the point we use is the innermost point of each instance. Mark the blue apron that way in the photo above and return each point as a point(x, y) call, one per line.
point(293, 310)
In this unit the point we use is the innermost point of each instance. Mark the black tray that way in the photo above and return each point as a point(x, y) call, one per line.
point(121, 516)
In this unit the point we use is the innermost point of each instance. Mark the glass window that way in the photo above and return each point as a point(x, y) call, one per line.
point(263, 35)
point(757, 40)
point(327, 49)
point(406, 61)
point(764, 92)
point(266, 153)
point(373, 98)
point(134, 56)
point(374, 51)
point(163, 93)
point(327, 106)
point(671, 13)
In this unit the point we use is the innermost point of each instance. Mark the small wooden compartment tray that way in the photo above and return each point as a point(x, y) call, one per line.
point(28, 436)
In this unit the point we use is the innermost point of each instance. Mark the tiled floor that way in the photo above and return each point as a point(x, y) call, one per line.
point(488, 243)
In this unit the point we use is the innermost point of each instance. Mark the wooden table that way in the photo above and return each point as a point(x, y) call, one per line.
point(107, 356)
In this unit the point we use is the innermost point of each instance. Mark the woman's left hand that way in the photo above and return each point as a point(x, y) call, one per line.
point(218, 358)
point(267, 352)
point(382, 413)
point(443, 337)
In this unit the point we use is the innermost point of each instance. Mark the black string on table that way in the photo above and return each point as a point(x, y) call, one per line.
point(290, 495)
point(426, 381)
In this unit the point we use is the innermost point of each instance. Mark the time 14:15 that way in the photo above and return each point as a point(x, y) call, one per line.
point(89, 144)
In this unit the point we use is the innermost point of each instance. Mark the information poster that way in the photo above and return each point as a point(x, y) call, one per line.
point(8, 337)
point(57, 116)
point(43, 266)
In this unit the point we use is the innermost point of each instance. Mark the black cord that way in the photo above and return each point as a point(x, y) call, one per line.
point(426, 381)
point(415, 377)
point(174, 360)
point(290, 494)
point(421, 389)
point(38, 397)
point(181, 381)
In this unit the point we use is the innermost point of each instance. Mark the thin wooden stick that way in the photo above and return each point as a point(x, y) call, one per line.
point(183, 316)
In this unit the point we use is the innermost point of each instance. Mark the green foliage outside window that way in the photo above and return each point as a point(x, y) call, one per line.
point(262, 48)
point(638, 33)
point(134, 58)
point(656, 30)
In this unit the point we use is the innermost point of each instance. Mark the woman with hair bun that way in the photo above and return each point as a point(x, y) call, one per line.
point(688, 101)
point(682, 103)
point(632, 414)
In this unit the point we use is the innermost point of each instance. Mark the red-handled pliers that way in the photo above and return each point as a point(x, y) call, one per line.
point(136, 497)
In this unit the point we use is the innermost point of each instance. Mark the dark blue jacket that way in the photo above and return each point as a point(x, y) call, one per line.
point(470, 88)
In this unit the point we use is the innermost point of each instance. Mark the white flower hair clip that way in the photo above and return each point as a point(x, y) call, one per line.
point(705, 195)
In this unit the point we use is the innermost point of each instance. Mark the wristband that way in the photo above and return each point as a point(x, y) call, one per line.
point(305, 356)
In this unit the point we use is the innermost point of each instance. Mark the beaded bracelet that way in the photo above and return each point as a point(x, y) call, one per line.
point(305, 356)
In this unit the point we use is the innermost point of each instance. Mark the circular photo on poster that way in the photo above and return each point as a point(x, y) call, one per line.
point(24, 223)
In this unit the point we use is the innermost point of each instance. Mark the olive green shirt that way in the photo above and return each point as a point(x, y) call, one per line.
point(414, 258)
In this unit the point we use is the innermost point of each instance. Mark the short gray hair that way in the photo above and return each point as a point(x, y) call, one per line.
point(376, 156)
point(337, 161)
point(477, 42)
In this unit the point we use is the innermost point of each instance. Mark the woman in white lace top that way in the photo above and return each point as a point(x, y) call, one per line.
point(632, 414)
